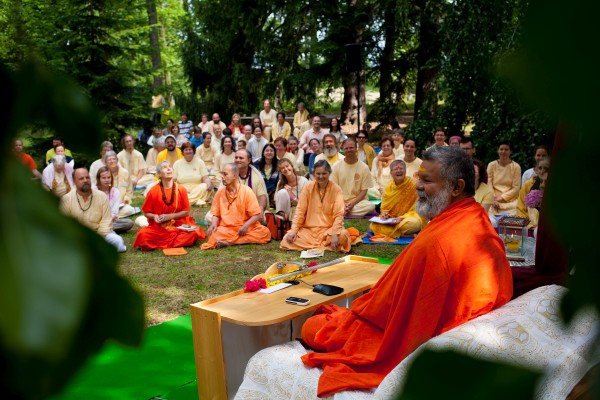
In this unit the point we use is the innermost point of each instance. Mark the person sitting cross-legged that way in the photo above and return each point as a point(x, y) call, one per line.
point(235, 214)
point(441, 280)
point(91, 207)
point(57, 176)
point(354, 177)
point(167, 208)
point(398, 201)
point(319, 216)
point(289, 188)
point(191, 172)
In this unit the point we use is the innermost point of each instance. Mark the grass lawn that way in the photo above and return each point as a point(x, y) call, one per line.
point(170, 284)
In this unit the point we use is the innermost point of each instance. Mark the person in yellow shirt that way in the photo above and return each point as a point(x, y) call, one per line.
point(171, 153)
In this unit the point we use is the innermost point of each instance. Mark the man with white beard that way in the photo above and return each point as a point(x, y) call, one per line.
point(453, 271)
point(330, 150)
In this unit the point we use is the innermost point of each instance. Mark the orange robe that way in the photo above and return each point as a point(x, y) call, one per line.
point(233, 216)
point(315, 220)
point(166, 235)
point(441, 280)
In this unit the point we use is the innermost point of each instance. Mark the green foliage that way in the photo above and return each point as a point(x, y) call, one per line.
point(60, 295)
point(457, 376)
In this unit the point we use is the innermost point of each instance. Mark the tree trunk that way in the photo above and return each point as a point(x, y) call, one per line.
point(387, 56)
point(427, 53)
point(350, 101)
point(154, 45)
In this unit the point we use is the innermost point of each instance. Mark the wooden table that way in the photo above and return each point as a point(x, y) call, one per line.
point(229, 329)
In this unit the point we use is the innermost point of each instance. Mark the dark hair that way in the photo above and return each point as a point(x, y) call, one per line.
point(364, 132)
point(467, 139)
point(171, 119)
point(262, 162)
point(281, 113)
point(233, 144)
point(197, 129)
point(455, 165)
point(439, 129)
point(505, 142)
point(227, 132)
point(483, 177)
point(292, 137)
point(205, 134)
point(282, 140)
point(339, 128)
point(411, 139)
point(188, 145)
point(386, 139)
point(541, 147)
point(259, 123)
point(184, 113)
point(322, 164)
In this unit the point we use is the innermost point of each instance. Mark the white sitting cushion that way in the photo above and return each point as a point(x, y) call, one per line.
point(526, 331)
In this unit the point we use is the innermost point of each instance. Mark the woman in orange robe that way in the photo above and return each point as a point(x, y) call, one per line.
point(167, 207)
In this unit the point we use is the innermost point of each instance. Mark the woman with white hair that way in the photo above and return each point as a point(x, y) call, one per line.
point(122, 182)
point(57, 177)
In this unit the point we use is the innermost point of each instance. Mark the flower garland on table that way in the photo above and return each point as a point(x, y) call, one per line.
point(254, 285)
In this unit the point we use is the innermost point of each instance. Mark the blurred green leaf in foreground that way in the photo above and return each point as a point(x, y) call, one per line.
point(60, 295)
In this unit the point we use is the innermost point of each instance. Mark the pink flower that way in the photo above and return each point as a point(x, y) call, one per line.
point(533, 199)
point(255, 284)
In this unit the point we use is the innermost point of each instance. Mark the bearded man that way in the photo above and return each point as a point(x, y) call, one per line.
point(91, 207)
point(330, 150)
point(455, 270)
point(132, 160)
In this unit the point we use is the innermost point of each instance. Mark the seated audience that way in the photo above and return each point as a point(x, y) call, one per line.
point(319, 218)
point(257, 144)
point(289, 187)
point(336, 130)
point(197, 138)
point(540, 152)
point(132, 160)
point(96, 165)
point(380, 169)
point(398, 201)
point(366, 154)
point(354, 177)
point(91, 208)
point(122, 182)
point(236, 214)
point(504, 176)
point(167, 207)
point(56, 141)
point(413, 163)
point(171, 153)
point(441, 280)
point(191, 173)
point(25, 159)
point(206, 152)
point(106, 186)
point(226, 156)
point(267, 166)
point(484, 194)
point(281, 128)
point(331, 152)
point(315, 146)
point(535, 183)
point(58, 176)
point(298, 154)
point(398, 139)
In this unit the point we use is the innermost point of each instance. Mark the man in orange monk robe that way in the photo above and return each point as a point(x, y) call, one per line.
point(319, 217)
point(455, 270)
point(235, 214)
point(167, 208)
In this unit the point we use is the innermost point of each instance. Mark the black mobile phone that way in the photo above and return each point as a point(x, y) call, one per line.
point(297, 300)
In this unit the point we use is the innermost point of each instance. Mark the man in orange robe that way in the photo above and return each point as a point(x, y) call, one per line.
point(319, 217)
point(235, 214)
point(167, 208)
point(455, 270)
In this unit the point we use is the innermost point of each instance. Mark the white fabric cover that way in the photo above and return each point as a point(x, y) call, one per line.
point(526, 331)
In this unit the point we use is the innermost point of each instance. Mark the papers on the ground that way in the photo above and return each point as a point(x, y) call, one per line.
point(389, 221)
point(175, 251)
point(188, 228)
point(312, 253)
point(275, 288)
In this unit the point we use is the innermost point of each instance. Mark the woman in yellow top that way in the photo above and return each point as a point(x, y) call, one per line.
point(366, 153)
point(281, 128)
point(504, 176)
point(191, 173)
point(484, 194)
point(413, 163)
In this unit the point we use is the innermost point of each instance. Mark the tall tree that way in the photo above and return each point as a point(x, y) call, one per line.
point(157, 82)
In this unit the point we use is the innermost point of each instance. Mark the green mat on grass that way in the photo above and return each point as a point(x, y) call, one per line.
point(163, 367)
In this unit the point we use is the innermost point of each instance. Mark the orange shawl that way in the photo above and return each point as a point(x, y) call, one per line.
point(397, 200)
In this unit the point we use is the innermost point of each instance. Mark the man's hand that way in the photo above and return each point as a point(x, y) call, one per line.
point(335, 242)
point(384, 216)
point(211, 229)
point(348, 208)
point(290, 236)
point(242, 231)
point(159, 219)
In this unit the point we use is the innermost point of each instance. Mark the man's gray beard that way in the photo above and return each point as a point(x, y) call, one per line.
point(86, 188)
point(433, 205)
point(330, 152)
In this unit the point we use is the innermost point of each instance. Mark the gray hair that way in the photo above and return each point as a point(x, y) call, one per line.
point(109, 153)
point(455, 164)
point(159, 167)
point(234, 168)
point(106, 143)
point(59, 159)
point(396, 162)
point(159, 142)
point(322, 164)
